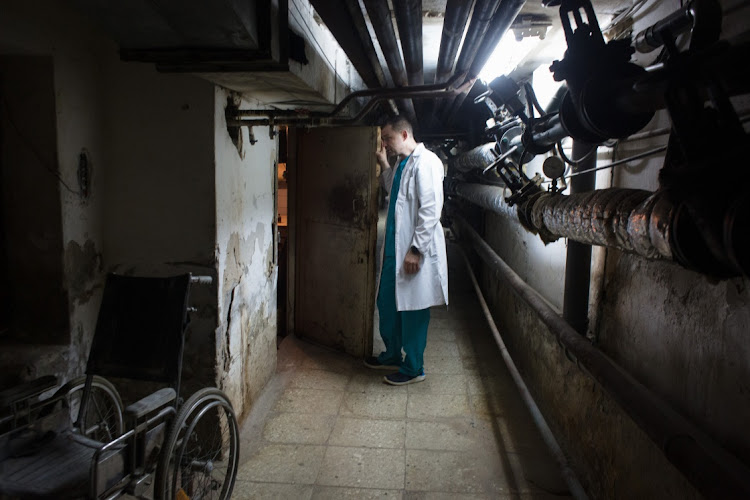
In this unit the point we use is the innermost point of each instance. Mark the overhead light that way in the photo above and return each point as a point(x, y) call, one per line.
point(508, 53)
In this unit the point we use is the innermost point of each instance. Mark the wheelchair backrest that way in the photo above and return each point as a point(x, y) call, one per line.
point(140, 330)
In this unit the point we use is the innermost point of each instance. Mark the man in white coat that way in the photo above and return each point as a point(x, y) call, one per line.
point(414, 270)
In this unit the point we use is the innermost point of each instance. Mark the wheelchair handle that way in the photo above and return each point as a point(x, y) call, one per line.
point(201, 280)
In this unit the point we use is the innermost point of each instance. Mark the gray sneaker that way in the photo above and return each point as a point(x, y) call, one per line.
point(372, 362)
point(399, 378)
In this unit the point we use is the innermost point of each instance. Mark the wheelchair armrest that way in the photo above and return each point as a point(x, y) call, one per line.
point(150, 403)
point(27, 390)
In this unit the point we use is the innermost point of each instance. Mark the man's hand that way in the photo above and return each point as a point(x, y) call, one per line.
point(382, 156)
point(411, 263)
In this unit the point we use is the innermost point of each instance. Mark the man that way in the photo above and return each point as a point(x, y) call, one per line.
point(414, 270)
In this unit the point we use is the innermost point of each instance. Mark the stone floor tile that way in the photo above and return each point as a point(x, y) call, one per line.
point(309, 401)
point(441, 335)
point(335, 493)
point(299, 428)
point(254, 490)
point(441, 348)
point(453, 471)
point(362, 468)
point(442, 364)
point(375, 405)
point(363, 432)
point(369, 381)
point(462, 434)
point(440, 383)
point(426, 406)
point(320, 379)
point(283, 463)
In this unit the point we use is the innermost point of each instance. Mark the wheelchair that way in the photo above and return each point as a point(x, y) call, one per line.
point(81, 443)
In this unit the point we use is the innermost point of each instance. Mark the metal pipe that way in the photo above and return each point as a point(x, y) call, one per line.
point(380, 17)
point(504, 16)
point(480, 22)
point(708, 467)
point(578, 258)
point(409, 21)
point(454, 23)
point(338, 20)
point(558, 454)
point(360, 25)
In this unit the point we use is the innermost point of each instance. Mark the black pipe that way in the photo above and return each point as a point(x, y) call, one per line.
point(480, 22)
point(360, 25)
point(380, 17)
point(338, 20)
point(504, 16)
point(409, 21)
point(454, 23)
point(709, 468)
point(578, 259)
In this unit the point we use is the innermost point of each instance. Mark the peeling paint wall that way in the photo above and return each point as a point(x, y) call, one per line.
point(247, 273)
point(677, 332)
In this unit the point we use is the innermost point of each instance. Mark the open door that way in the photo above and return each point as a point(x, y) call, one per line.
point(336, 226)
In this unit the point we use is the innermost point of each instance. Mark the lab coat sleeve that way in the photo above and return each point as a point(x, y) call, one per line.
point(429, 187)
point(386, 179)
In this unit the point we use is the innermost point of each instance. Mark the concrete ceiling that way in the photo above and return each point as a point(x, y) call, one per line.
point(233, 37)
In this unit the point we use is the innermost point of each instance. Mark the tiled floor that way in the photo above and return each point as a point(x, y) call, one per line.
point(327, 427)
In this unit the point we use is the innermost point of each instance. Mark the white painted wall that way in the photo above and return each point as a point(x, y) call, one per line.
point(247, 272)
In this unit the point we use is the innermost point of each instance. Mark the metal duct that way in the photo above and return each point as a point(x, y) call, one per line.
point(706, 465)
point(478, 158)
point(380, 17)
point(502, 20)
point(360, 25)
point(489, 197)
point(338, 20)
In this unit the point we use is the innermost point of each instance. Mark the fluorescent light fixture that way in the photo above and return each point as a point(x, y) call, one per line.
point(508, 53)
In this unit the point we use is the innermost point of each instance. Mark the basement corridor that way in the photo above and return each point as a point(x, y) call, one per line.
point(327, 427)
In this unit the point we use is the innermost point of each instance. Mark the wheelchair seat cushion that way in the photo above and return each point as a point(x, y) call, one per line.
point(61, 469)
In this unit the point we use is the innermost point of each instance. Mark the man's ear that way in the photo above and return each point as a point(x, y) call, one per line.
point(404, 134)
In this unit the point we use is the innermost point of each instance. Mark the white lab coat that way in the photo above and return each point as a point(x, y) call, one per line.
point(417, 222)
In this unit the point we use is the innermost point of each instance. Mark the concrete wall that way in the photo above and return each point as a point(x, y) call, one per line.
point(679, 333)
point(79, 120)
point(244, 253)
point(169, 193)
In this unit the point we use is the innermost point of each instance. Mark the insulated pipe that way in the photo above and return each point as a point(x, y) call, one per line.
point(380, 17)
point(630, 220)
point(578, 258)
point(709, 468)
point(549, 438)
point(502, 20)
point(475, 159)
point(337, 19)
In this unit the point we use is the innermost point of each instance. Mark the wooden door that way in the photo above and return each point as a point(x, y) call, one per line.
point(336, 225)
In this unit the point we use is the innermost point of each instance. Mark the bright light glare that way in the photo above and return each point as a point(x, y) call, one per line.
point(507, 55)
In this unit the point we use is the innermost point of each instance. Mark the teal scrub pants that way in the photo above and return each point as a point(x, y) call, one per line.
point(400, 329)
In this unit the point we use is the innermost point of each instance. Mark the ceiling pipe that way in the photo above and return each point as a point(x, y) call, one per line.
point(409, 21)
point(336, 17)
point(703, 462)
point(454, 24)
point(480, 22)
point(501, 22)
point(380, 17)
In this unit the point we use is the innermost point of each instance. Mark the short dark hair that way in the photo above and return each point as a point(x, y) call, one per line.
point(399, 123)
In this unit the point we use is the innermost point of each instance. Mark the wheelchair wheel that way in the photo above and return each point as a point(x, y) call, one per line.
point(103, 419)
point(200, 456)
